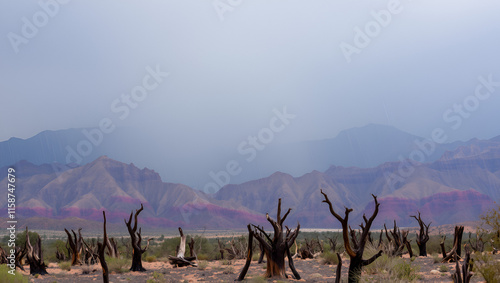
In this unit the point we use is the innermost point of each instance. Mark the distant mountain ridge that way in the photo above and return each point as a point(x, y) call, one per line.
point(118, 188)
point(456, 188)
point(362, 147)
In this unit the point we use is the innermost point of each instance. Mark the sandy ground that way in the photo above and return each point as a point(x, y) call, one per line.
point(311, 270)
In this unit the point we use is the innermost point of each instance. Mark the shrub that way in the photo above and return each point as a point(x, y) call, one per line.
point(202, 265)
point(227, 262)
point(203, 257)
point(6, 277)
point(255, 256)
point(151, 258)
point(443, 268)
point(66, 265)
point(404, 271)
point(118, 265)
point(436, 258)
point(228, 270)
point(488, 267)
point(391, 269)
point(329, 258)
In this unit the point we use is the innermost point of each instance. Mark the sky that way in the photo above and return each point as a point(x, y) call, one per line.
point(217, 70)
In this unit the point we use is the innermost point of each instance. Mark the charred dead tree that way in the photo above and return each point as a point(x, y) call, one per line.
point(75, 245)
point(397, 240)
point(237, 250)
point(380, 241)
point(464, 273)
point(3, 256)
point(278, 247)
point(457, 245)
point(90, 253)
point(135, 240)
point(100, 251)
point(261, 249)
point(128, 247)
point(60, 255)
point(244, 271)
point(112, 246)
point(311, 249)
point(20, 254)
point(356, 253)
point(338, 273)
point(180, 260)
point(192, 252)
point(35, 256)
point(478, 245)
point(422, 236)
point(221, 248)
point(333, 243)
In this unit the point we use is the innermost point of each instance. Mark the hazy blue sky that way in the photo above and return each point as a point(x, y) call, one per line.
point(226, 76)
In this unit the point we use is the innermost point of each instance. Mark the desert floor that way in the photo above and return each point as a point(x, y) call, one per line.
point(311, 270)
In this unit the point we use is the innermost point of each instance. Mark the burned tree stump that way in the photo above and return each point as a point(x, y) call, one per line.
point(278, 247)
point(100, 250)
point(422, 236)
point(35, 256)
point(180, 260)
point(356, 254)
point(463, 274)
point(75, 245)
point(457, 243)
point(135, 240)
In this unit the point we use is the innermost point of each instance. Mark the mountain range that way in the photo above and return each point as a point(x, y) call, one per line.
point(457, 187)
point(362, 147)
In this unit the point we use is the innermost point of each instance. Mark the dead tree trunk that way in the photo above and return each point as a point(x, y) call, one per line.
point(463, 275)
point(338, 273)
point(100, 249)
point(422, 236)
point(20, 254)
point(396, 240)
point(3, 256)
point(333, 244)
point(112, 246)
point(457, 242)
point(277, 248)
point(60, 255)
point(356, 254)
point(75, 245)
point(135, 240)
point(478, 245)
point(35, 256)
point(180, 260)
point(192, 253)
point(221, 249)
point(244, 271)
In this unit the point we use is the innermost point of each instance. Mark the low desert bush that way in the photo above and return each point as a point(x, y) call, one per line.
point(9, 278)
point(329, 258)
point(118, 265)
point(65, 265)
